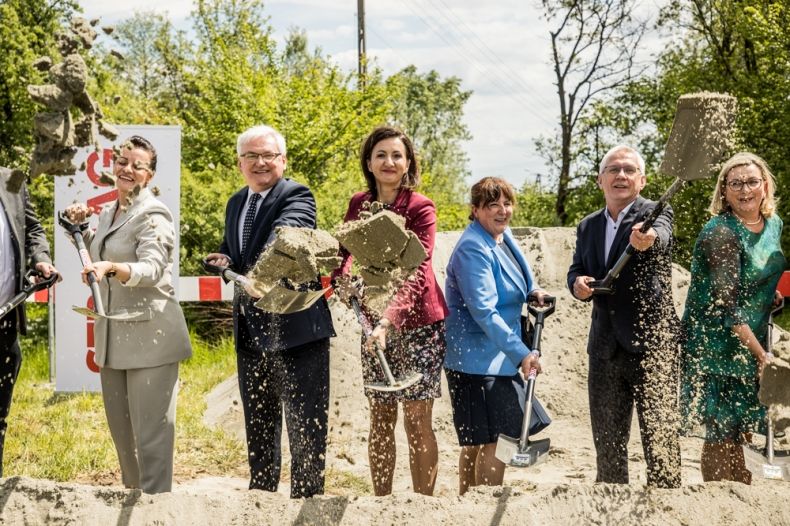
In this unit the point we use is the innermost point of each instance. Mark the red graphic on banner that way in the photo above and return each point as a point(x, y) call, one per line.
point(91, 354)
point(95, 203)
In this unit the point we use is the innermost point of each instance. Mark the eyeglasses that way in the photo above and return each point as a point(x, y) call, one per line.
point(615, 170)
point(736, 185)
point(252, 157)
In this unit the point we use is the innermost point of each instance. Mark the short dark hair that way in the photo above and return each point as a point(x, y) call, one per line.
point(488, 190)
point(144, 144)
point(412, 176)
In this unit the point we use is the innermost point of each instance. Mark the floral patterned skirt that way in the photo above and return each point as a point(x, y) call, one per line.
point(420, 349)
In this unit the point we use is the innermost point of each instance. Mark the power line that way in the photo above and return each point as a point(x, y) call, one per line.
point(527, 105)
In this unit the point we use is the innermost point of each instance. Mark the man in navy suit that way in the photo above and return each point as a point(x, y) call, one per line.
point(633, 341)
point(22, 243)
point(282, 359)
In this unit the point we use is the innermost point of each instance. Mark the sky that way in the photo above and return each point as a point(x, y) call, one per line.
point(500, 50)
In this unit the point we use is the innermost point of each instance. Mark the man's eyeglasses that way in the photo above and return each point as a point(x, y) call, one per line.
point(615, 170)
point(252, 157)
point(736, 185)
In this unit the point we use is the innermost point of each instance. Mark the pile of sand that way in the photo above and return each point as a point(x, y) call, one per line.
point(560, 491)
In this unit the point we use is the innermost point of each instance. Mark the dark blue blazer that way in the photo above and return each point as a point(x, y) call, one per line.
point(287, 204)
point(28, 238)
point(640, 313)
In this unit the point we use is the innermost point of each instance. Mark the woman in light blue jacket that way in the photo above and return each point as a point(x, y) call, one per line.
point(488, 281)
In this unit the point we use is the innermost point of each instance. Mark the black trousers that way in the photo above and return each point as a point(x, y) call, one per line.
point(295, 380)
point(10, 361)
point(650, 384)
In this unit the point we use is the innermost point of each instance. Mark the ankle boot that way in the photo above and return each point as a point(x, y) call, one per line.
point(716, 463)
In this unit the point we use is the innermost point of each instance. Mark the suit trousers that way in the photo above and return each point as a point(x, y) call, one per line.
point(140, 405)
point(615, 386)
point(10, 362)
point(295, 380)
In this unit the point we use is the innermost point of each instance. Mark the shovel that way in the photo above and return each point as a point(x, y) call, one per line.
point(692, 148)
point(279, 300)
point(76, 232)
point(27, 290)
point(390, 383)
point(522, 452)
point(771, 465)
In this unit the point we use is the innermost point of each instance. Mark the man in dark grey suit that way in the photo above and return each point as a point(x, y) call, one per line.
point(283, 360)
point(633, 344)
point(22, 243)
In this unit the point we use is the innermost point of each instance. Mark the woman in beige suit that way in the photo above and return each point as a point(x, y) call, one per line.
point(132, 253)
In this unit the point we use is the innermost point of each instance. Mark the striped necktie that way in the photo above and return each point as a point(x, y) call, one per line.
point(249, 219)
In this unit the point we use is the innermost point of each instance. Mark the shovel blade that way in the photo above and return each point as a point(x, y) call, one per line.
point(399, 384)
point(126, 316)
point(760, 467)
point(509, 451)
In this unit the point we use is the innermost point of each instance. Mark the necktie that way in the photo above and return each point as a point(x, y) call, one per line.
point(249, 219)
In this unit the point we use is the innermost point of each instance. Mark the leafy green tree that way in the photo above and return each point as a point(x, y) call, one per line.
point(593, 47)
point(27, 29)
point(430, 110)
point(741, 48)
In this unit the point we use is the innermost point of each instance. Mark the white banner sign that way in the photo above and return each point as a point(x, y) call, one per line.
point(74, 350)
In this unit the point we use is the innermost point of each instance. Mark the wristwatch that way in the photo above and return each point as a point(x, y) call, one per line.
point(113, 270)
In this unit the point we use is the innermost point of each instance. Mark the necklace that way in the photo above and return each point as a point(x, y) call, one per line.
point(752, 223)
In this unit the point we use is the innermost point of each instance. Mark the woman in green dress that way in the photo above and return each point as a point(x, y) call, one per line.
point(735, 268)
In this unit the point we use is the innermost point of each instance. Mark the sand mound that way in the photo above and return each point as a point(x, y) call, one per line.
point(559, 491)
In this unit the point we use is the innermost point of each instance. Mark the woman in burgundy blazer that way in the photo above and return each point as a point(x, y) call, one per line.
point(411, 328)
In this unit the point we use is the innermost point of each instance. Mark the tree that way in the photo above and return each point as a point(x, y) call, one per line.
point(430, 110)
point(27, 29)
point(593, 47)
point(741, 48)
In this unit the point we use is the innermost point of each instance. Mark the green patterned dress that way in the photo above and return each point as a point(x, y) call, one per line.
point(734, 274)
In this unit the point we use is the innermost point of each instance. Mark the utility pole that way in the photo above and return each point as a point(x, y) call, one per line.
point(361, 59)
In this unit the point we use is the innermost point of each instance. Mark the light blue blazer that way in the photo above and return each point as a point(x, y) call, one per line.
point(485, 292)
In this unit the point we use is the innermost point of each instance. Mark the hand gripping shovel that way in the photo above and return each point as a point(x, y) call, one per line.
point(522, 452)
point(771, 465)
point(28, 289)
point(76, 230)
point(390, 383)
point(696, 142)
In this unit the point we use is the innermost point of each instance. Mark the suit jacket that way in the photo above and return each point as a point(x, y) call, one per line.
point(640, 314)
point(419, 300)
point(28, 238)
point(485, 293)
point(287, 204)
point(143, 237)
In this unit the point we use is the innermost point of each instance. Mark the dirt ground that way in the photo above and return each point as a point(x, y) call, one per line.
point(559, 491)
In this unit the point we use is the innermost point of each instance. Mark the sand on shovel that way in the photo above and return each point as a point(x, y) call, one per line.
point(385, 251)
point(295, 258)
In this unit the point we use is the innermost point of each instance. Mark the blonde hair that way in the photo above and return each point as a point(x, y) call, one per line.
point(718, 203)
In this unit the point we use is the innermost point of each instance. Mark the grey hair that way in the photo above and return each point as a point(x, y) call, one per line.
point(619, 148)
point(260, 131)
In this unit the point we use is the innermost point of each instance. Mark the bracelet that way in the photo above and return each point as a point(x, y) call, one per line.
point(112, 272)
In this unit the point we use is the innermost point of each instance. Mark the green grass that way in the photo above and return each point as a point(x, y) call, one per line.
point(64, 437)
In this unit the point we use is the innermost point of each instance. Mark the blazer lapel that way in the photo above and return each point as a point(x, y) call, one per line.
point(10, 209)
point(262, 227)
point(518, 273)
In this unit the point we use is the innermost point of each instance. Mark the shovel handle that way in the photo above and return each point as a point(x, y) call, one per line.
point(76, 231)
point(605, 286)
point(226, 273)
point(368, 330)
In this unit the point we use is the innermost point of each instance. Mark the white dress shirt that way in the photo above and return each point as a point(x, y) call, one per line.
point(611, 228)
